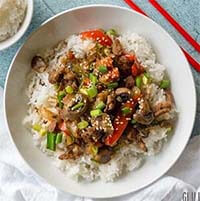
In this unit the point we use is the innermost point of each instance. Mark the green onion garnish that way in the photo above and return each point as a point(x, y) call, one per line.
point(83, 124)
point(101, 105)
point(36, 127)
point(111, 32)
point(43, 132)
point(165, 84)
point(61, 95)
point(77, 106)
point(59, 138)
point(69, 89)
point(133, 121)
point(103, 69)
point(93, 78)
point(92, 91)
point(138, 81)
point(112, 85)
point(51, 141)
point(126, 110)
point(95, 113)
point(94, 150)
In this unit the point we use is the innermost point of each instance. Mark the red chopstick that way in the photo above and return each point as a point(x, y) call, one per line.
point(174, 23)
point(190, 59)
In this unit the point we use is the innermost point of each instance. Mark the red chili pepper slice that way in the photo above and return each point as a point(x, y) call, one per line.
point(98, 36)
point(119, 125)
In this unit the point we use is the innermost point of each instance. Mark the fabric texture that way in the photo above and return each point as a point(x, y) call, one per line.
point(19, 183)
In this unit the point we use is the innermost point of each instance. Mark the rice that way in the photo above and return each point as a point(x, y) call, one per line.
point(12, 13)
point(128, 157)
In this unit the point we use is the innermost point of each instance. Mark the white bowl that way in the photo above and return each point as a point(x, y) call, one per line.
point(90, 17)
point(25, 24)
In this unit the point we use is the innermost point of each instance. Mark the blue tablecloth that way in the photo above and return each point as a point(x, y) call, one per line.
point(185, 11)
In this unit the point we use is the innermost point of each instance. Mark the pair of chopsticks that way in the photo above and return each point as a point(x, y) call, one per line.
point(178, 27)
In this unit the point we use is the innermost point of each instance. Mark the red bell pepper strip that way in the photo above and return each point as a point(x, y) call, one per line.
point(120, 124)
point(130, 57)
point(98, 36)
point(137, 69)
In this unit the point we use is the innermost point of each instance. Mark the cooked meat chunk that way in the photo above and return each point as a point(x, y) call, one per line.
point(90, 134)
point(129, 82)
point(52, 125)
point(117, 47)
point(110, 103)
point(56, 75)
point(144, 115)
point(124, 65)
point(73, 152)
point(103, 123)
point(38, 64)
point(103, 156)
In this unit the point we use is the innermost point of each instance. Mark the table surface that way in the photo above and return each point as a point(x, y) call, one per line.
point(186, 12)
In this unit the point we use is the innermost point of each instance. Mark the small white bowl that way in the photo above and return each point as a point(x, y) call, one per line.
point(123, 20)
point(25, 24)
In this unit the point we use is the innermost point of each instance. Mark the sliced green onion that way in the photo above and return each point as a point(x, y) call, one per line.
point(83, 124)
point(133, 121)
point(103, 69)
point(77, 106)
point(95, 113)
point(69, 89)
point(147, 75)
point(36, 127)
point(111, 32)
point(51, 141)
point(100, 105)
point(43, 132)
point(165, 84)
point(83, 91)
point(70, 139)
point(94, 150)
point(112, 85)
point(145, 80)
point(126, 110)
point(59, 138)
point(61, 95)
point(106, 51)
point(93, 78)
point(138, 81)
point(92, 91)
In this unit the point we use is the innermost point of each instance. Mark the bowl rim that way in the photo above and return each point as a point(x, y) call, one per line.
point(189, 74)
point(22, 29)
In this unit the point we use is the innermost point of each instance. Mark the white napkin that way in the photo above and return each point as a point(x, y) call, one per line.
point(19, 183)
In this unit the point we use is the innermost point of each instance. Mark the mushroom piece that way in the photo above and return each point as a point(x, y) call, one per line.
point(38, 64)
point(74, 106)
point(144, 115)
point(103, 156)
point(117, 47)
point(110, 102)
point(164, 107)
point(122, 94)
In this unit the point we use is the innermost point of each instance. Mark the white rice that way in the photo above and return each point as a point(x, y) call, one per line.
point(127, 158)
point(12, 13)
